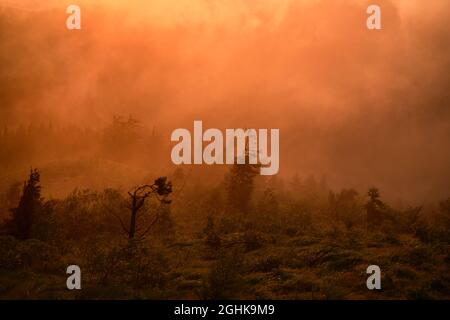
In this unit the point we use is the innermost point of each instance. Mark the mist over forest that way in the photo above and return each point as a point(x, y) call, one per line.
point(361, 109)
point(87, 180)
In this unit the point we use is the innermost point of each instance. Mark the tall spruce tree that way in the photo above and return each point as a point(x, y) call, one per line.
point(240, 184)
point(375, 209)
point(30, 205)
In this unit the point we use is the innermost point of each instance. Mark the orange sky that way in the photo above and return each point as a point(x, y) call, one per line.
point(350, 103)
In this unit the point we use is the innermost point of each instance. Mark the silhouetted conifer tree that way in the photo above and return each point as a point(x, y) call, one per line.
point(240, 185)
point(374, 208)
point(30, 205)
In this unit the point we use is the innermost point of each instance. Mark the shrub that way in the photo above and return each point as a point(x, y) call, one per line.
point(252, 240)
point(37, 255)
point(223, 278)
point(146, 267)
point(8, 255)
point(266, 264)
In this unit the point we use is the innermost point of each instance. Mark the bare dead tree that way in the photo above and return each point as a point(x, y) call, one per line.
point(160, 189)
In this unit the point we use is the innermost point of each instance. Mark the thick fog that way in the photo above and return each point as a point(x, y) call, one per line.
point(364, 108)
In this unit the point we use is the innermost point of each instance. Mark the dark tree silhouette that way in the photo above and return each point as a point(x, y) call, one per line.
point(161, 189)
point(375, 209)
point(240, 184)
point(30, 205)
